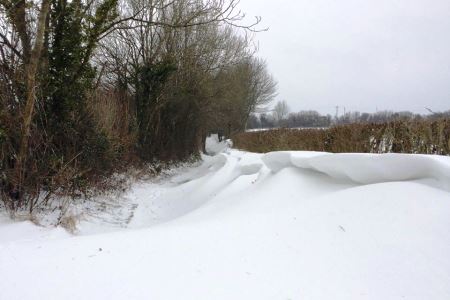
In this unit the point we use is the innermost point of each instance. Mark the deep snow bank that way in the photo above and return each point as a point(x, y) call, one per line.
point(366, 168)
point(285, 225)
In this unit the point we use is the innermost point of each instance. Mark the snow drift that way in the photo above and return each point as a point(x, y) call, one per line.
point(366, 168)
point(284, 225)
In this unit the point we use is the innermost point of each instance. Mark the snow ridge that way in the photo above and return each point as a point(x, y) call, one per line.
point(284, 225)
point(366, 168)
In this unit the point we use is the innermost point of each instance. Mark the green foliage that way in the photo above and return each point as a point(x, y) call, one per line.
point(149, 82)
point(105, 14)
point(68, 78)
point(2, 135)
point(68, 147)
point(159, 91)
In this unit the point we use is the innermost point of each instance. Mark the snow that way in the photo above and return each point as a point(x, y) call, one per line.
point(282, 225)
point(366, 168)
point(213, 146)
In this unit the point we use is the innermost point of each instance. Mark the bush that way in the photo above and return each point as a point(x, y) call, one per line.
point(424, 137)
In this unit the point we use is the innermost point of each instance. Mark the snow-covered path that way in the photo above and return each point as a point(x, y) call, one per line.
point(286, 225)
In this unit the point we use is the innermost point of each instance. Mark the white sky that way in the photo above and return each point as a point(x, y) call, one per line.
point(364, 55)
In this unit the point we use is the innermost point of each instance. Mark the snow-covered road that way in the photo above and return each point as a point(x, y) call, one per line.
point(286, 225)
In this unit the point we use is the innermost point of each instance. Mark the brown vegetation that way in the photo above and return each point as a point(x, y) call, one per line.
point(89, 88)
point(424, 137)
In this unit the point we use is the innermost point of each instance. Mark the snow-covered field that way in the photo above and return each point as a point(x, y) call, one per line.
point(276, 128)
point(285, 225)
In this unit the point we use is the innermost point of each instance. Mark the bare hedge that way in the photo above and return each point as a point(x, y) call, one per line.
point(424, 137)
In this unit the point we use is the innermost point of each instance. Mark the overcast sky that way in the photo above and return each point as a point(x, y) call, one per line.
point(361, 54)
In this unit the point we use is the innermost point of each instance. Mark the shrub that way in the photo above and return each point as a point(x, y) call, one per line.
point(425, 137)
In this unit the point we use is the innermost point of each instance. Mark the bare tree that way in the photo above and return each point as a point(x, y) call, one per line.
point(280, 111)
point(164, 72)
point(31, 55)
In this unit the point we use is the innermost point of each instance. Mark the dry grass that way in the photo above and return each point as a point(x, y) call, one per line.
point(112, 112)
point(70, 222)
point(425, 137)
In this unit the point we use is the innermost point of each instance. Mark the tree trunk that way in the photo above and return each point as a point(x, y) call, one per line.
point(203, 142)
point(30, 79)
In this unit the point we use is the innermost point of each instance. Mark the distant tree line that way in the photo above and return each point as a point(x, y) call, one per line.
point(90, 87)
point(280, 117)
